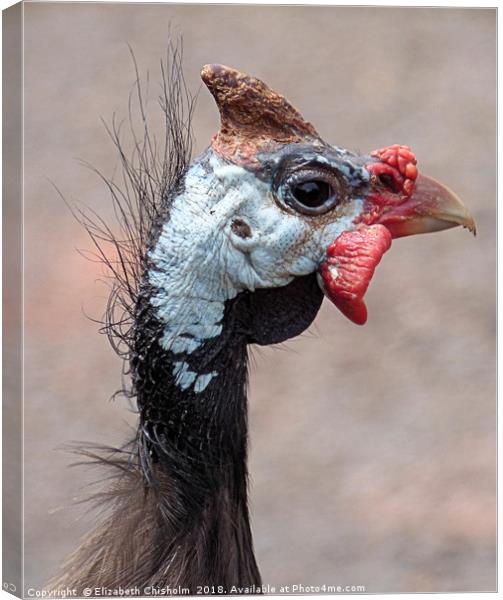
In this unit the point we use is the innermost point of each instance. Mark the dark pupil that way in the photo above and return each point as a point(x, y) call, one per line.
point(312, 193)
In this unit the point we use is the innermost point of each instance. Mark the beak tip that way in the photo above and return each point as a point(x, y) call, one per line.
point(469, 223)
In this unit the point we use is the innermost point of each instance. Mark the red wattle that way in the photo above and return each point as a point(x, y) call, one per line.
point(349, 266)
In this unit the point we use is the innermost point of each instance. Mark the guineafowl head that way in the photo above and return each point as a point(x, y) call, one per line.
point(273, 213)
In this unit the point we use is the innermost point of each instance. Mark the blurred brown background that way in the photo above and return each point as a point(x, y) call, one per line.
point(372, 449)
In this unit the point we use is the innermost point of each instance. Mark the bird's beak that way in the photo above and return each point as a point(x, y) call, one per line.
point(431, 207)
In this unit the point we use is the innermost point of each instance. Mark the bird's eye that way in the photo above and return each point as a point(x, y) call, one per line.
point(312, 193)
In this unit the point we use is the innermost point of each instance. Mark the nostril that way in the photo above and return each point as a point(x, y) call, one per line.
point(387, 180)
point(396, 169)
point(386, 176)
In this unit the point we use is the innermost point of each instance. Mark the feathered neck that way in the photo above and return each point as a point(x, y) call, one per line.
point(179, 512)
point(192, 445)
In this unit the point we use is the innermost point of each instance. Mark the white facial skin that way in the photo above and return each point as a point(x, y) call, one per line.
point(200, 262)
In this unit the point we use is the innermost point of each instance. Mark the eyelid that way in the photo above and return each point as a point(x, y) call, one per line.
point(315, 172)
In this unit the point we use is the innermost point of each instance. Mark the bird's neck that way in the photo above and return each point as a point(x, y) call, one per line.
point(193, 443)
